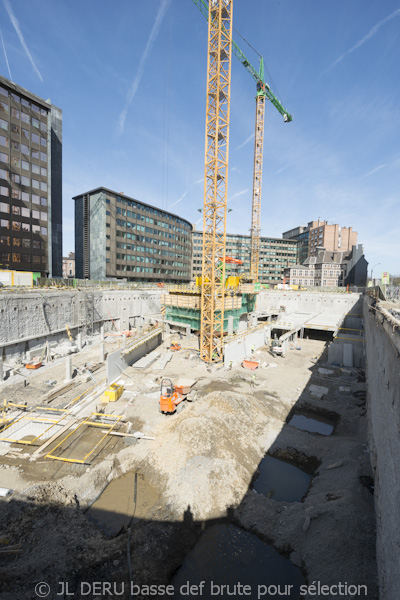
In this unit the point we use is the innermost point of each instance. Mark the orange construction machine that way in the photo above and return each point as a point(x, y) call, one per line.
point(169, 397)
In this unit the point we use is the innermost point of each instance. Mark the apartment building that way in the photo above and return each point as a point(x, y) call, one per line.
point(120, 237)
point(330, 269)
point(30, 182)
point(275, 255)
point(319, 234)
point(69, 266)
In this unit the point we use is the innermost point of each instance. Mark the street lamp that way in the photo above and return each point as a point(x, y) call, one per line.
point(372, 270)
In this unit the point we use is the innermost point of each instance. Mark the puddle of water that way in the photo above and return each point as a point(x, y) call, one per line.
point(281, 480)
point(312, 422)
point(227, 555)
point(126, 498)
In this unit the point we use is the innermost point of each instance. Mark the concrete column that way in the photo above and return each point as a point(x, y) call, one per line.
point(230, 325)
point(301, 333)
point(188, 331)
point(68, 368)
point(102, 356)
point(79, 341)
point(167, 329)
point(102, 333)
point(28, 355)
point(124, 340)
point(1, 371)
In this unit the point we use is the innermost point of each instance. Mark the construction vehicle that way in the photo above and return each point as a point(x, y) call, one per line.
point(174, 347)
point(276, 348)
point(170, 399)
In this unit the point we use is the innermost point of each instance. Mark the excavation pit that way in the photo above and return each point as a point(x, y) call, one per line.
point(312, 422)
point(228, 556)
point(282, 480)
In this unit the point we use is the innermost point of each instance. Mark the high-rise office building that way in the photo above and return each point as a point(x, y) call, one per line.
point(122, 238)
point(30, 182)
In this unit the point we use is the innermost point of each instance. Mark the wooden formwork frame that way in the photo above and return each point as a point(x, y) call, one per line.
point(38, 418)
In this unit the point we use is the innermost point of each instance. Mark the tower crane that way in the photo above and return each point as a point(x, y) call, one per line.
point(219, 15)
point(263, 92)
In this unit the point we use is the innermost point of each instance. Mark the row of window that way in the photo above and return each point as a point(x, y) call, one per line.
point(16, 178)
point(20, 163)
point(17, 194)
point(24, 258)
point(150, 270)
point(20, 226)
point(152, 210)
point(148, 240)
point(23, 101)
point(130, 225)
point(26, 243)
point(26, 197)
point(22, 211)
point(149, 259)
point(5, 141)
point(25, 119)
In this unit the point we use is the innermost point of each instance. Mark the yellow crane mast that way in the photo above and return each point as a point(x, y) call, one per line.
point(216, 179)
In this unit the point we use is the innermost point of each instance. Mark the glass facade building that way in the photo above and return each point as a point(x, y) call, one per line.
point(30, 182)
point(122, 238)
point(275, 255)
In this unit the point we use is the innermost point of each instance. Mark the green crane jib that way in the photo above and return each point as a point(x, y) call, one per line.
point(258, 76)
point(263, 92)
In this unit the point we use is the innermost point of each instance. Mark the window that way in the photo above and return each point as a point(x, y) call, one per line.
point(35, 228)
point(4, 107)
point(43, 156)
point(43, 126)
point(43, 201)
point(43, 171)
point(35, 122)
point(16, 225)
point(4, 141)
point(35, 214)
point(3, 124)
point(15, 128)
point(35, 169)
point(36, 244)
point(24, 102)
point(43, 230)
point(3, 91)
point(35, 199)
point(25, 133)
point(15, 145)
point(4, 191)
point(36, 258)
point(15, 98)
point(25, 227)
point(43, 186)
point(16, 194)
point(43, 141)
point(15, 178)
point(43, 216)
point(4, 208)
point(15, 113)
point(35, 138)
point(35, 108)
point(4, 157)
point(15, 162)
point(5, 256)
point(35, 184)
point(5, 223)
point(17, 242)
point(5, 240)
point(35, 153)
point(24, 149)
point(24, 180)
point(25, 165)
point(26, 243)
point(26, 258)
point(25, 212)
point(4, 174)
point(24, 118)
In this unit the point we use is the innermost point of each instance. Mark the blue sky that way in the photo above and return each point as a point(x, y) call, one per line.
point(130, 77)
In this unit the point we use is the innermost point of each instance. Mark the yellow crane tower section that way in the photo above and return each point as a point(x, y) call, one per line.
point(216, 179)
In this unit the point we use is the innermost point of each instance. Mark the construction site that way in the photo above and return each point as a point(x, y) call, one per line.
point(215, 439)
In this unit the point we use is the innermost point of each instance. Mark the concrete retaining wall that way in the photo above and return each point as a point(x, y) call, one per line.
point(308, 302)
point(27, 318)
point(383, 404)
point(120, 360)
point(238, 350)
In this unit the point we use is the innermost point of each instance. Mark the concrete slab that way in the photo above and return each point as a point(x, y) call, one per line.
point(163, 361)
point(317, 391)
point(147, 360)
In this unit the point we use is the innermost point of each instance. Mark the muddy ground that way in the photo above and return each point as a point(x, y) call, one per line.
point(197, 472)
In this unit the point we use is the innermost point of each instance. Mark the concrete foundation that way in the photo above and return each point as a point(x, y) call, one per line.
point(239, 349)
